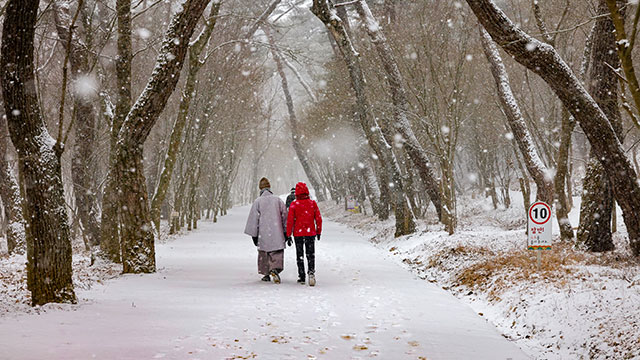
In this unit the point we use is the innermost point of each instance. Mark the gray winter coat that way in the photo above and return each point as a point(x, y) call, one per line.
point(268, 221)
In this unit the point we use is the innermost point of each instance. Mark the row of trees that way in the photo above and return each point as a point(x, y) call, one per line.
point(418, 86)
point(404, 105)
point(137, 151)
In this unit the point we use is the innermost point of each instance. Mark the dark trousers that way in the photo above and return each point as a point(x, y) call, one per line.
point(307, 242)
point(270, 261)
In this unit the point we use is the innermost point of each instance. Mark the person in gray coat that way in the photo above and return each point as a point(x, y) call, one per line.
point(266, 225)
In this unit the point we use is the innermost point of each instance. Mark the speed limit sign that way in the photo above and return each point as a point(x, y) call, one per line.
point(539, 226)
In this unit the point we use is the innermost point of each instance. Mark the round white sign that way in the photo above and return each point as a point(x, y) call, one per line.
point(539, 227)
point(539, 213)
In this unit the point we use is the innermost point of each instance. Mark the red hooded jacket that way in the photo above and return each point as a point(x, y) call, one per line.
point(302, 214)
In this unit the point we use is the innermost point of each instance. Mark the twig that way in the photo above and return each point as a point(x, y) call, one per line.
point(48, 61)
point(59, 143)
point(634, 29)
point(146, 9)
point(346, 3)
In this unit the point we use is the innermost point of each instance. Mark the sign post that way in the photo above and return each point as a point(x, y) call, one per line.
point(539, 228)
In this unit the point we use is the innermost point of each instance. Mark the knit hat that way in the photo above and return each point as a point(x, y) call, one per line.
point(264, 183)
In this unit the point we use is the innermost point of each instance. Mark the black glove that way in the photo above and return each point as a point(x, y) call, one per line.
point(288, 239)
point(318, 237)
point(255, 240)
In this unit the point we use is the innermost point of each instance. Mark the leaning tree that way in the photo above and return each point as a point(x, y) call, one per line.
point(47, 232)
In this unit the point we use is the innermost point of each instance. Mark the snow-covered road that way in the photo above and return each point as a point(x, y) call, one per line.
point(207, 302)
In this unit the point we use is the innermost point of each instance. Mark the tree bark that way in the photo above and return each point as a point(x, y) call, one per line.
point(404, 218)
point(546, 62)
point(537, 170)
point(625, 47)
point(562, 207)
point(370, 183)
point(137, 237)
point(48, 236)
point(594, 231)
point(400, 109)
point(84, 182)
point(11, 199)
point(110, 224)
point(381, 171)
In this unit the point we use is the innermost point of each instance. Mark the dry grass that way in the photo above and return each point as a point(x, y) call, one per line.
point(461, 251)
point(520, 265)
point(495, 272)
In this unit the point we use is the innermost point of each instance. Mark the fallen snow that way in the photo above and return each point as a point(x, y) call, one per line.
point(580, 306)
point(207, 302)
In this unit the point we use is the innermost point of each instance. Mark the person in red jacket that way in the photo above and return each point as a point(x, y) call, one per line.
point(304, 222)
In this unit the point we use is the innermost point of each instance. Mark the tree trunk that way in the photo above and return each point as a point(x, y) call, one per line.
point(175, 142)
point(562, 208)
point(448, 197)
point(381, 170)
point(404, 218)
point(624, 46)
point(10, 194)
point(370, 183)
point(84, 182)
point(594, 231)
point(48, 236)
point(137, 238)
point(597, 201)
point(110, 224)
point(537, 170)
point(11, 199)
point(401, 107)
point(296, 136)
point(526, 194)
point(547, 63)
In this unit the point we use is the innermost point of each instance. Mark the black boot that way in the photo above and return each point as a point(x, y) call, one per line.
point(301, 280)
point(266, 278)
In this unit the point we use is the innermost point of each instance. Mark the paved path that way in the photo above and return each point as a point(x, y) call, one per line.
point(207, 302)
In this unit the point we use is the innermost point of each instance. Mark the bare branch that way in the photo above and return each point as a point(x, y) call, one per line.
point(59, 142)
point(541, 24)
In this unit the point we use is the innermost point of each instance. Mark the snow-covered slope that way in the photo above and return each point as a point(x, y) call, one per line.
point(577, 306)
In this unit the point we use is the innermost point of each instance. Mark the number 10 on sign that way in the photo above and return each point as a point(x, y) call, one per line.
point(539, 227)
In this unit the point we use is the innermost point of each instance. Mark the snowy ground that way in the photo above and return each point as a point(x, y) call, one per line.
point(16, 299)
point(579, 306)
point(207, 302)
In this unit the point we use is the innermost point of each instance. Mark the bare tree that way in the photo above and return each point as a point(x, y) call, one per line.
point(195, 64)
point(326, 13)
point(137, 239)
point(597, 198)
point(546, 62)
point(84, 119)
point(625, 45)
point(296, 134)
point(110, 224)
point(48, 236)
point(400, 109)
point(11, 199)
point(532, 161)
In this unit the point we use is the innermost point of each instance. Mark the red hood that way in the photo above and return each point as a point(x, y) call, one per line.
point(302, 192)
